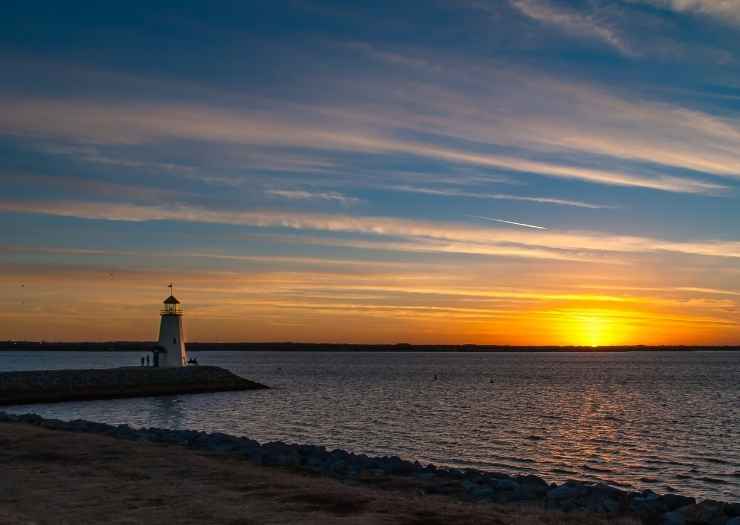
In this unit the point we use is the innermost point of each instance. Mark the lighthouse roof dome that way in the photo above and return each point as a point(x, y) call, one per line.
point(171, 300)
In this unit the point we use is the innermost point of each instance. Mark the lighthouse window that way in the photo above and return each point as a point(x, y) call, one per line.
point(174, 341)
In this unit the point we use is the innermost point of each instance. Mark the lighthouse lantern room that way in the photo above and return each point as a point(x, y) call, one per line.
point(171, 347)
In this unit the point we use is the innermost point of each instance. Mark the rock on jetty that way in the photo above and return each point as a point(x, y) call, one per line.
point(468, 484)
point(46, 386)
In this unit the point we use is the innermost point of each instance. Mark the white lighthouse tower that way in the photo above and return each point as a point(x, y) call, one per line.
point(171, 346)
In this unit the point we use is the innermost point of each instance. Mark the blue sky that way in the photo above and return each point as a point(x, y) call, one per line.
point(437, 171)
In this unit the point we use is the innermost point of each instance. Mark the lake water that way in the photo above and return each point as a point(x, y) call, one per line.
point(664, 421)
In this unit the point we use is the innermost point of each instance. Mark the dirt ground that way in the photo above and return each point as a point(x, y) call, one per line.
point(54, 477)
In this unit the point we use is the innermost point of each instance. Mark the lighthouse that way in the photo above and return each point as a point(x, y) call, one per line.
point(170, 350)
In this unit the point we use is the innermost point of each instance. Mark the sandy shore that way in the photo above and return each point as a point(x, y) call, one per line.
point(57, 477)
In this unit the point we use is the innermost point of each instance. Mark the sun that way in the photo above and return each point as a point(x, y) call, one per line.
point(595, 328)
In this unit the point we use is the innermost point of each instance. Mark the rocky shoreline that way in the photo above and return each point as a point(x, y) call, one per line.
point(48, 386)
point(468, 484)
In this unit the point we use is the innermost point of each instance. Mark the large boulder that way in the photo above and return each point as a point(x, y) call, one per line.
point(673, 518)
point(576, 496)
point(708, 512)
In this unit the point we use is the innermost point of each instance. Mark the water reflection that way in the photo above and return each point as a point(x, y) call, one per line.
point(640, 420)
point(167, 411)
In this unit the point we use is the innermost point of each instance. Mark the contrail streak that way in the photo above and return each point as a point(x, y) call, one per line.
point(508, 222)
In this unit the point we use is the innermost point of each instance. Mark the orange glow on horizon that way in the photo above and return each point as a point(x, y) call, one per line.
point(381, 307)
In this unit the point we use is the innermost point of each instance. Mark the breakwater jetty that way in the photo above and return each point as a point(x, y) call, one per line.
point(48, 386)
point(468, 484)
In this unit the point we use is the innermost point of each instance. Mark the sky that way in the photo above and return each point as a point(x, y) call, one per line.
point(447, 171)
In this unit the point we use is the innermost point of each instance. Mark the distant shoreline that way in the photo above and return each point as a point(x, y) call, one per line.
point(145, 346)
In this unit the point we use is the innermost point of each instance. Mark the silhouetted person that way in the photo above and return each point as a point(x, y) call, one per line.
point(147, 360)
point(142, 360)
point(435, 377)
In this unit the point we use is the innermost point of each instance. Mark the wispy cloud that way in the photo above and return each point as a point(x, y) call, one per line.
point(78, 186)
point(564, 171)
point(503, 221)
point(300, 261)
point(92, 154)
point(370, 280)
point(606, 125)
point(92, 122)
point(727, 11)
point(444, 236)
point(309, 195)
point(498, 196)
point(507, 118)
point(393, 57)
point(575, 23)
point(674, 289)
